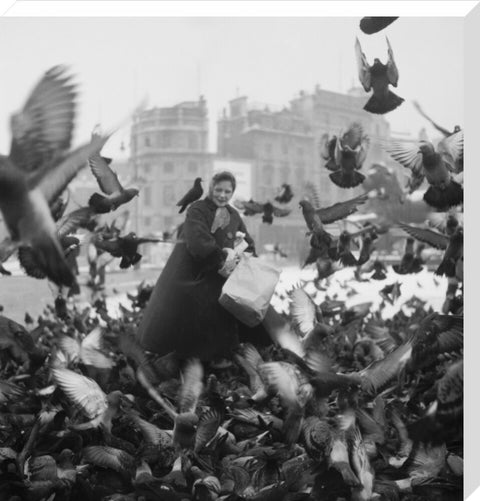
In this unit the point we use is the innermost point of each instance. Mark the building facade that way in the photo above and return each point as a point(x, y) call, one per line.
point(328, 112)
point(278, 142)
point(168, 150)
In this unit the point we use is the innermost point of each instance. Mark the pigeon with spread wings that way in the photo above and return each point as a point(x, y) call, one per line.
point(115, 194)
point(65, 227)
point(268, 210)
point(378, 77)
point(39, 168)
point(351, 150)
point(327, 151)
point(441, 129)
point(125, 247)
point(435, 165)
point(452, 245)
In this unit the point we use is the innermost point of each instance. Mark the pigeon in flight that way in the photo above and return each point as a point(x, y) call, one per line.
point(436, 165)
point(115, 194)
point(40, 166)
point(378, 77)
point(350, 152)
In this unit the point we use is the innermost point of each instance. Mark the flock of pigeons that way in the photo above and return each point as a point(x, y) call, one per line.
point(341, 405)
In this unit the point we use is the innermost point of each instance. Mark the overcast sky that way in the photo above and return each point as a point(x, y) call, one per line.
point(119, 60)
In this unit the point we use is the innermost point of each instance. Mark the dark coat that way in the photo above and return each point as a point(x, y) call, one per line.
point(183, 314)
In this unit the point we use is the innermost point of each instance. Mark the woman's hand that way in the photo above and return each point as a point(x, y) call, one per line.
point(231, 261)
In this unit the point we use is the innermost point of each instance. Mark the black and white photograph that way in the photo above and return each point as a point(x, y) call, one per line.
point(231, 258)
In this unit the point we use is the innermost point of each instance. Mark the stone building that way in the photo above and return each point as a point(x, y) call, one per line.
point(328, 112)
point(168, 150)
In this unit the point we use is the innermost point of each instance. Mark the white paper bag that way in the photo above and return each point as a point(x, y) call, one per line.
point(249, 289)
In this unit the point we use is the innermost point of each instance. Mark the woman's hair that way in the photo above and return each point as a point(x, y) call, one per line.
point(223, 176)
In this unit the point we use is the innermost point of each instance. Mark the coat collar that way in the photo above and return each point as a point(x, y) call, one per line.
point(213, 206)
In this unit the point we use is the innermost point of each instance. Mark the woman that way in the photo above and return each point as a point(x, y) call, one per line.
point(183, 314)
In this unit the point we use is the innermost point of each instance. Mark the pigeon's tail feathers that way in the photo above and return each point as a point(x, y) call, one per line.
point(440, 199)
point(348, 259)
point(51, 260)
point(399, 269)
point(125, 262)
point(380, 106)
point(379, 275)
point(447, 268)
point(99, 204)
point(347, 179)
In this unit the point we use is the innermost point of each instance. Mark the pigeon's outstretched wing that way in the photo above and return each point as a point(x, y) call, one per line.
point(79, 218)
point(53, 181)
point(303, 311)
point(82, 391)
point(341, 210)
point(426, 236)
point(107, 179)
point(451, 147)
point(110, 458)
point(381, 372)
point(445, 132)
point(392, 70)
point(43, 129)
point(409, 155)
point(363, 67)
point(192, 386)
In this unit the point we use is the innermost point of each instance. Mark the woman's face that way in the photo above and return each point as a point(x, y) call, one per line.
point(222, 193)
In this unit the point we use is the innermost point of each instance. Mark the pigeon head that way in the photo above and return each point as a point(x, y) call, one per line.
point(426, 148)
point(304, 204)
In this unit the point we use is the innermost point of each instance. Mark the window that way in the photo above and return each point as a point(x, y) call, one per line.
point(167, 139)
point(284, 146)
point(168, 168)
point(147, 221)
point(168, 222)
point(300, 151)
point(192, 167)
point(168, 194)
point(300, 174)
point(147, 196)
point(285, 172)
point(147, 141)
point(192, 141)
point(147, 168)
point(268, 148)
point(268, 175)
